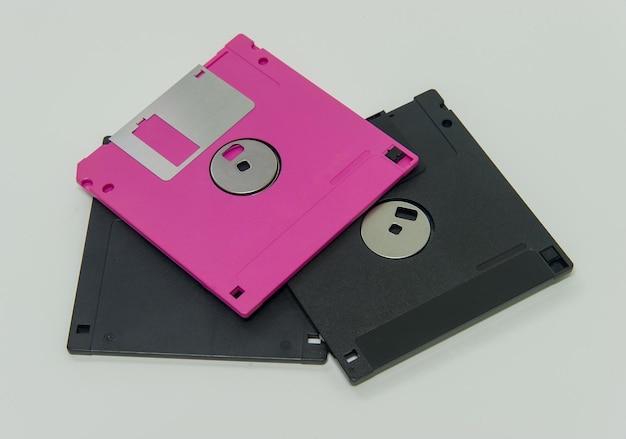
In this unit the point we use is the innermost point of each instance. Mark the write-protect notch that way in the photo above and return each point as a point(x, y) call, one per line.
point(200, 107)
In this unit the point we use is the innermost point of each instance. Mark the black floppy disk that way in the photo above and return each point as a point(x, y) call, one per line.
point(133, 300)
point(449, 245)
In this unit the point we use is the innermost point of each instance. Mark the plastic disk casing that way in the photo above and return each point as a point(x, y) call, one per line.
point(242, 219)
point(133, 300)
point(448, 246)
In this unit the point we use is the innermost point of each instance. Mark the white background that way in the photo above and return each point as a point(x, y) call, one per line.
point(540, 84)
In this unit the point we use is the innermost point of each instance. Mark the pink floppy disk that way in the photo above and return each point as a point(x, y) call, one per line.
point(242, 172)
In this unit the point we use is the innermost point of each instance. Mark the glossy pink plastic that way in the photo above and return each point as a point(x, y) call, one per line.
point(243, 248)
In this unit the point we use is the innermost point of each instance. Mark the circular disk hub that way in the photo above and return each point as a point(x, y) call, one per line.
point(396, 229)
point(245, 166)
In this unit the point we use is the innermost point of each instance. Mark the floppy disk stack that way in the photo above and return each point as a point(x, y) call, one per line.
point(248, 215)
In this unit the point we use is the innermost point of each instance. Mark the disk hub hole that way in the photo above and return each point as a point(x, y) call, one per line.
point(395, 229)
point(243, 166)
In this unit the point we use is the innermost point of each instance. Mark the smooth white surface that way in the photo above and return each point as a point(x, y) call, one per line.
point(540, 84)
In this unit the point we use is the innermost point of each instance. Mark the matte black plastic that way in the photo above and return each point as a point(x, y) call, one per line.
point(486, 251)
point(132, 300)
